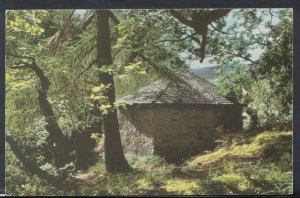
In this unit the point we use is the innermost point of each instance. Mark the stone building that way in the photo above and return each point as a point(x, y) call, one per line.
point(175, 120)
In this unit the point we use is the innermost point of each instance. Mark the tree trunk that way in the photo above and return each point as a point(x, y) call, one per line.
point(62, 145)
point(114, 157)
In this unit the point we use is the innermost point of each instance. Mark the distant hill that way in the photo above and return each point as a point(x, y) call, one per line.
point(208, 73)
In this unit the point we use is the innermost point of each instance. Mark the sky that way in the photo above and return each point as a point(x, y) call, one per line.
point(196, 64)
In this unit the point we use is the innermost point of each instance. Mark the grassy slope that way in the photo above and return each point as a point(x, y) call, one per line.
point(256, 165)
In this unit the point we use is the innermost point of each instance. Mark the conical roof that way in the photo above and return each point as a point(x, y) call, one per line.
point(190, 90)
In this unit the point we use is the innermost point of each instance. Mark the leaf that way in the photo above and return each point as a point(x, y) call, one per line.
point(97, 97)
point(104, 108)
point(142, 72)
point(98, 88)
point(120, 104)
point(133, 66)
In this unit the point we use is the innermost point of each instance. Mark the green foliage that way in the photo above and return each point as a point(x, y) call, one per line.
point(256, 175)
point(233, 81)
point(131, 82)
point(236, 182)
point(148, 179)
point(67, 55)
point(225, 171)
point(154, 176)
point(141, 32)
point(276, 63)
point(249, 178)
point(18, 182)
point(263, 84)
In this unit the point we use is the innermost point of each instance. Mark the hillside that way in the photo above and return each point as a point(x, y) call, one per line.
point(243, 164)
point(208, 73)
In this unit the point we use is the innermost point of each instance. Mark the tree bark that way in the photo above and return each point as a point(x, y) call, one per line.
point(115, 160)
point(62, 145)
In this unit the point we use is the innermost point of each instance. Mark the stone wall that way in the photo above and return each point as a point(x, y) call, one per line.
point(175, 132)
point(136, 131)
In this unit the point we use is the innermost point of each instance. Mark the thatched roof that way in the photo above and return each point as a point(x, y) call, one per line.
point(192, 90)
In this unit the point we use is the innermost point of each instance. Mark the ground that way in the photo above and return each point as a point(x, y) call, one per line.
point(256, 163)
point(246, 163)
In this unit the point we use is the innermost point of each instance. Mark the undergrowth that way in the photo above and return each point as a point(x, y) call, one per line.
point(244, 166)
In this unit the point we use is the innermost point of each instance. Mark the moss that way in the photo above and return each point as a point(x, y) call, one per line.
point(264, 145)
point(182, 186)
point(144, 183)
point(234, 181)
point(232, 172)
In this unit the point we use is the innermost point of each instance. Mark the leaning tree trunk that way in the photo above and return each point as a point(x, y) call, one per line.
point(114, 157)
point(62, 146)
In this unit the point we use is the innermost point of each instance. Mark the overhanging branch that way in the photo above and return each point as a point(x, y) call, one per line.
point(113, 17)
point(181, 18)
point(87, 22)
point(199, 22)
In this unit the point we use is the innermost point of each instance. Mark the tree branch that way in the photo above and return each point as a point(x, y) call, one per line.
point(79, 74)
point(45, 83)
point(92, 16)
point(87, 22)
point(216, 29)
point(54, 130)
point(199, 22)
point(214, 15)
point(175, 40)
point(162, 70)
point(195, 39)
point(181, 18)
point(237, 54)
point(240, 56)
point(20, 56)
point(34, 169)
point(57, 40)
point(113, 17)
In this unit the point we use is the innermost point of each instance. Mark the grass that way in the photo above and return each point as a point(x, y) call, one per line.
point(256, 164)
point(261, 146)
point(243, 167)
point(149, 176)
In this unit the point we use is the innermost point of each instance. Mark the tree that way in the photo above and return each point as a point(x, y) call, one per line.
point(62, 145)
point(200, 20)
point(265, 82)
point(276, 63)
point(89, 61)
point(114, 157)
point(59, 141)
